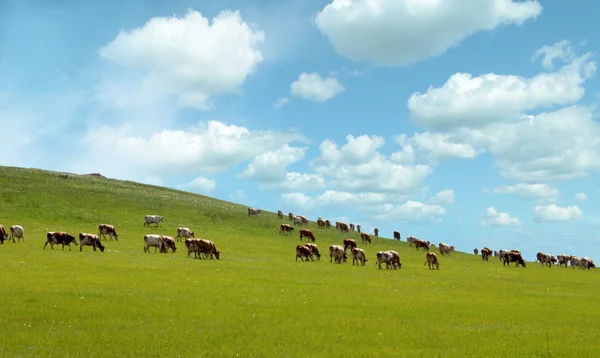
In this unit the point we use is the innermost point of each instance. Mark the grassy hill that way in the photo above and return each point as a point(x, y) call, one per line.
point(257, 301)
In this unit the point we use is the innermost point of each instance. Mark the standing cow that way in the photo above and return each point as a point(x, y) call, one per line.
point(153, 219)
point(16, 231)
point(432, 260)
point(184, 233)
point(60, 238)
point(280, 214)
point(90, 240)
point(105, 229)
point(397, 235)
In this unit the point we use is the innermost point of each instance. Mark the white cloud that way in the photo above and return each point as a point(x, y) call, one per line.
point(313, 87)
point(358, 166)
point(413, 212)
point(438, 146)
point(199, 185)
point(443, 197)
point(580, 197)
point(561, 50)
point(524, 232)
point(543, 192)
point(294, 181)
point(188, 57)
point(270, 166)
point(494, 217)
point(401, 32)
point(210, 148)
point(280, 102)
point(553, 213)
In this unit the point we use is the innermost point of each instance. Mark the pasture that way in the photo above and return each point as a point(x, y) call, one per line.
point(257, 301)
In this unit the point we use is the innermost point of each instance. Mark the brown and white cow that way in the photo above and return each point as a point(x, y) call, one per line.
point(574, 261)
point(184, 233)
point(349, 243)
point(432, 260)
point(160, 242)
point(376, 231)
point(303, 219)
point(303, 252)
point(327, 224)
point(168, 243)
point(514, 256)
point(397, 235)
point(343, 227)
point(209, 249)
point(280, 214)
point(285, 228)
point(320, 223)
point(193, 245)
point(365, 237)
point(16, 231)
point(307, 234)
point(3, 234)
point(358, 256)
point(337, 252)
point(395, 259)
point(314, 249)
point(421, 243)
point(60, 238)
point(485, 254)
point(475, 252)
point(563, 260)
point(411, 240)
point(253, 211)
point(445, 249)
point(587, 263)
point(105, 229)
point(385, 257)
point(86, 239)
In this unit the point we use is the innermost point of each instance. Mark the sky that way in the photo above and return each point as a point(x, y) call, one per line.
point(469, 123)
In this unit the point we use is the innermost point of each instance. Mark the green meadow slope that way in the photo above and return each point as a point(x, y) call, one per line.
point(257, 301)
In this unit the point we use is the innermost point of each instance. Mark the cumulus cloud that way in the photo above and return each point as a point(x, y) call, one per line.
point(543, 192)
point(294, 181)
point(270, 166)
point(580, 197)
point(493, 217)
point(561, 50)
point(401, 32)
point(190, 58)
point(313, 87)
point(554, 213)
point(443, 197)
point(413, 212)
point(437, 146)
point(198, 185)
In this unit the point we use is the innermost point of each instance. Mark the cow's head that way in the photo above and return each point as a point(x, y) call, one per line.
point(100, 246)
point(71, 238)
point(193, 234)
point(116, 237)
point(217, 254)
point(161, 219)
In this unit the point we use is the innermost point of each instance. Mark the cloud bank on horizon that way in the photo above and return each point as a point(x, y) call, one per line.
point(473, 125)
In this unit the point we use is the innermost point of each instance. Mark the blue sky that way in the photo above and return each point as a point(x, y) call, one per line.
point(470, 123)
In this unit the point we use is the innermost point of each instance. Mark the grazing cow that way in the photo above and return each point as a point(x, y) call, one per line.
point(376, 231)
point(62, 238)
point(337, 252)
point(575, 261)
point(351, 226)
point(291, 216)
point(303, 252)
point(397, 235)
point(387, 257)
point(343, 227)
point(285, 228)
point(563, 260)
point(349, 243)
point(153, 219)
point(411, 240)
point(501, 254)
point(184, 233)
point(3, 234)
point(193, 245)
point(540, 257)
point(365, 237)
point(320, 223)
point(280, 214)
point(105, 229)
point(209, 249)
point(432, 260)
point(314, 249)
point(475, 252)
point(421, 243)
point(395, 259)
point(445, 249)
point(358, 227)
point(253, 211)
point(90, 240)
point(303, 220)
point(587, 263)
point(157, 241)
point(297, 220)
point(307, 234)
point(545, 259)
point(358, 255)
point(514, 256)
point(16, 231)
point(168, 243)
point(327, 224)
point(485, 254)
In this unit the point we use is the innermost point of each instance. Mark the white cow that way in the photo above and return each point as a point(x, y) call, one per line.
point(297, 220)
point(387, 257)
point(16, 231)
point(153, 240)
point(153, 219)
point(337, 252)
point(575, 261)
point(445, 249)
point(587, 263)
point(185, 233)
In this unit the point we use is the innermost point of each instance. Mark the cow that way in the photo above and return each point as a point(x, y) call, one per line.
point(90, 240)
point(320, 223)
point(514, 256)
point(291, 216)
point(575, 261)
point(395, 259)
point(154, 240)
point(327, 224)
point(485, 254)
point(193, 245)
point(297, 220)
point(3, 234)
point(475, 251)
point(349, 243)
point(253, 211)
point(209, 249)
point(432, 260)
point(285, 228)
point(342, 226)
point(445, 249)
point(501, 254)
point(168, 243)
point(314, 249)
point(280, 214)
point(545, 259)
point(62, 238)
point(376, 232)
point(358, 227)
point(307, 234)
point(411, 240)
point(563, 260)
point(153, 219)
point(303, 252)
point(16, 231)
point(337, 252)
point(365, 237)
point(421, 243)
point(387, 257)
point(397, 235)
point(105, 229)
point(351, 226)
point(358, 255)
point(303, 219)
point(184, 233)
point(587, 263)
point(540, 257)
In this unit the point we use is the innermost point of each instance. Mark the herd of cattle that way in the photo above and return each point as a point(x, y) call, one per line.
point(306, 252)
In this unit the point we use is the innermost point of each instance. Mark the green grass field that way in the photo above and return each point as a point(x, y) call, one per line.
point(257, 301)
